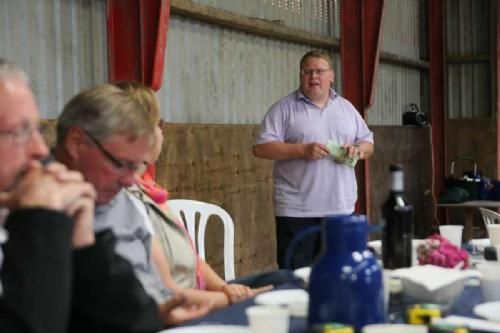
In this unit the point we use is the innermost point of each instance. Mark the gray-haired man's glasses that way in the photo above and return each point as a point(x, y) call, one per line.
point(120, 165)
point(21, 135)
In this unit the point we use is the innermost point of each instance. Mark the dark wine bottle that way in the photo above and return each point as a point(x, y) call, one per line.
point(397, 219)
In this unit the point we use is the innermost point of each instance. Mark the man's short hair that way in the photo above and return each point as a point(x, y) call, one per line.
point(317, 54)
point(9, 70)
point(145, 96)
point(104, 111)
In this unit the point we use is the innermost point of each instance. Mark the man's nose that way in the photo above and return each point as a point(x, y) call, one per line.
point(36, 147)
point(315, 73)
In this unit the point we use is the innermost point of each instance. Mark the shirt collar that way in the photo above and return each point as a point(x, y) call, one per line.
point(101, 208)
point(302, 97)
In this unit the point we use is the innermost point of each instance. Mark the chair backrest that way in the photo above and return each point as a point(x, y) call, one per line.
point(489, 216)
point(190, 208)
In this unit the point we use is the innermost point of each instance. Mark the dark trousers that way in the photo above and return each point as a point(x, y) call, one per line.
point(306, 250)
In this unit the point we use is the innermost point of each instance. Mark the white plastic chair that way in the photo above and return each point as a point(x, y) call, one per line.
point(489, 216)
point(190, 208)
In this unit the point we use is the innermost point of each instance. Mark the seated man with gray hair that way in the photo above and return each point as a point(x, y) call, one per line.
point(45, 213)
point(101, 134)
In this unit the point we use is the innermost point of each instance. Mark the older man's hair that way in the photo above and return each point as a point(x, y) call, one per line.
point(9, 70)
point(317, 54)
point(145, 96)
point(104, 111)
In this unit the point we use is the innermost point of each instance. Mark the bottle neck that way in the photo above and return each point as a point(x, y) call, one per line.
point(397, 181)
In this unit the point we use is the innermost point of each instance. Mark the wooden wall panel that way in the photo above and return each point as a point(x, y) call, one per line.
point(214, 163)
point(475, 138)
point(411, 147)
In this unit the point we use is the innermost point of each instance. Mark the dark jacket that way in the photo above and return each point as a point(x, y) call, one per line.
point(48, 288)
point(107, 297)
point(36, 272)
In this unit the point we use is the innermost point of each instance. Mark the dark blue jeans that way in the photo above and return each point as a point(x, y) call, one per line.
point(306, 250)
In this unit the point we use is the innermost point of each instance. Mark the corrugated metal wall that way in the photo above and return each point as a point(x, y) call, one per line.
point(468, 71)
point(401, 28)
point(219, 75)
point(397, 86)
point(318, 16)
point(60, 44)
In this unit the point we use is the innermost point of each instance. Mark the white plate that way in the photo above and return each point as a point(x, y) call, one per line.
point(490, 311)
point(303, 273)
point(296, 300)
point(209, 329)
point(394, 328)
point(433, 284)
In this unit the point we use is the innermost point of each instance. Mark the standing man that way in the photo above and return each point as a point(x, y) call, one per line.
point(308, 183)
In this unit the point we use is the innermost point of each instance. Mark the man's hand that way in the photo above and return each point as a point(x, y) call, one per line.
point(315, 151)
point(173, 312)
point(82, 212)
point(54, 187)
point(238, 292)
point(353, 151)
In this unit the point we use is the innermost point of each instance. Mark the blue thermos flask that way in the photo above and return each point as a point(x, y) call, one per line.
point(345, 284)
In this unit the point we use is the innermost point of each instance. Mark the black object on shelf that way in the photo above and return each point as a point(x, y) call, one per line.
point(413, 116)
point(490, 253)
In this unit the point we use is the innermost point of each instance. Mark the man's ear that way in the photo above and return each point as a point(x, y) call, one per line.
point(75, 139)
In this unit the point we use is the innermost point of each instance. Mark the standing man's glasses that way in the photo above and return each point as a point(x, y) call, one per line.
point(120, 165)
point(310, 71)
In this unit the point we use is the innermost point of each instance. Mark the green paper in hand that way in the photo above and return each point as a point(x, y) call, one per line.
point(339, 154)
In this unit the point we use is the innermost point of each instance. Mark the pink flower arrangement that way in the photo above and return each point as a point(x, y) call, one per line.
point(438, 251)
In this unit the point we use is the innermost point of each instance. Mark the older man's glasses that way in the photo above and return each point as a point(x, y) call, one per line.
point(21, 135)
point(317, 71)
point(120, 165)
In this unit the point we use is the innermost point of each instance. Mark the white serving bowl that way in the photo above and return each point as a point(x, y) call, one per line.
point(433, 284)
point(490, 311)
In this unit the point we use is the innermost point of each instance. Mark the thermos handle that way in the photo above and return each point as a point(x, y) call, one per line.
point(298, 237)
point(372, 228)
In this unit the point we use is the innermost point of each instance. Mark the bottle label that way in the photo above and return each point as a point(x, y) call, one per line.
point(397, 181)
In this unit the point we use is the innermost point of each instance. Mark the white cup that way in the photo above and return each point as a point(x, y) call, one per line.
point(494, 233)
point(453, 233)
point(394, 328)
point(268, 318)
point(490, 280)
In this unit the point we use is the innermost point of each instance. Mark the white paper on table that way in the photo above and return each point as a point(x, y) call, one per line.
point(476, 324)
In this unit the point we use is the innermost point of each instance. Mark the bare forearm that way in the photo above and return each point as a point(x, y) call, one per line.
point(160, 260)
point(212, 280)
point(218, 299)
point(366, 148)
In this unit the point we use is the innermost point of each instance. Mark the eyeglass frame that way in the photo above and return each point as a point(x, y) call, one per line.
point(317, 71)
point(120, 165)
point(21, 135)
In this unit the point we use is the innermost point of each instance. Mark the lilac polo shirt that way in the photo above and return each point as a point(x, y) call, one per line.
point(313, 188)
